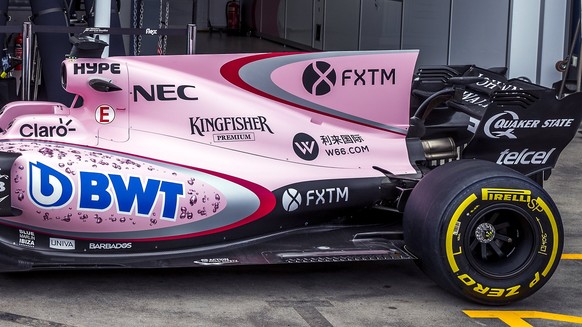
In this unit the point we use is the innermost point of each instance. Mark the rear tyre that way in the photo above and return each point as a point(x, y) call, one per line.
point(483, 231)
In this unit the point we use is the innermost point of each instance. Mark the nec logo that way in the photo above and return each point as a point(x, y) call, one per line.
point(164, 92)
point(305, 147)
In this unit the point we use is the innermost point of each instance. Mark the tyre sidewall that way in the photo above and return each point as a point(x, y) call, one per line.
point(451, 253)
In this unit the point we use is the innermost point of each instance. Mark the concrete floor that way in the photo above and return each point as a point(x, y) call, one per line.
point(351, 294)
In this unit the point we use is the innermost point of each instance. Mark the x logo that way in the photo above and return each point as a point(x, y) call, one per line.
point(319, 78)
point(291, 199)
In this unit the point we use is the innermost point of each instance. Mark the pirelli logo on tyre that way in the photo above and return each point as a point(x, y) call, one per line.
point(505, 194)
point(481, 231)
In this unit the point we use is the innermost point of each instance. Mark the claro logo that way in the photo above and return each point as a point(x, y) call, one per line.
point(319, 78)
point(39, 130)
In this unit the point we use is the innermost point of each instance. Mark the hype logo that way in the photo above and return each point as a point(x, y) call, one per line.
point(319, 78)
point(48, 187)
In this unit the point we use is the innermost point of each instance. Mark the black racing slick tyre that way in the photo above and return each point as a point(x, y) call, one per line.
point(483, 231)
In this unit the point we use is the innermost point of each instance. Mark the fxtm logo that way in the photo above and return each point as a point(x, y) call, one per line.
point(49, 188)
point(319, 77)
point(305, 147)
point(292, 198)
point(36, 130)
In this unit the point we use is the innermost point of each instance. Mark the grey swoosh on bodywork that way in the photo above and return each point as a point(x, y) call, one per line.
point(258, 75)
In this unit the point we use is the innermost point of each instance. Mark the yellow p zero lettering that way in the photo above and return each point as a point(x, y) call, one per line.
point(555, 236)
point(512, 291)
point(468, 280)
point(516, 318)
point(535, 280)
point(496, 292)
point(451, 230)
point(480, 289)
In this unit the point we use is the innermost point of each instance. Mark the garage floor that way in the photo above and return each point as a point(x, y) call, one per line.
point(350, 294)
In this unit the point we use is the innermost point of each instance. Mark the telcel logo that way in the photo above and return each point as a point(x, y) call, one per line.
point(525, 157)
point(98, 192)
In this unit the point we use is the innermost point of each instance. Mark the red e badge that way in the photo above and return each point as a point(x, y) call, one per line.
point(104, 114)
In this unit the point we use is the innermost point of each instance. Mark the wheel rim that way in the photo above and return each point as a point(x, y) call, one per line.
point(501, 241)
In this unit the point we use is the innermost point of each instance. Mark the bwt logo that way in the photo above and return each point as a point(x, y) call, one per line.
point(50, 188)
point(319, 78)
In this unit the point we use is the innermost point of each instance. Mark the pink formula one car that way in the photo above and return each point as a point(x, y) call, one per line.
point(288, 158)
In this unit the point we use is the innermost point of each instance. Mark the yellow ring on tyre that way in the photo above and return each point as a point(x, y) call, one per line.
point(555, 235)
point(451, 229)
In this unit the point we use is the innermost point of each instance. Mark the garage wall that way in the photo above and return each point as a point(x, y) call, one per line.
point(527, 36)
point(425, 26)
point(478, 32)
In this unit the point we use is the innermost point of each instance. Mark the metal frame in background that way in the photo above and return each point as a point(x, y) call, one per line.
point(568, 62)
point(29, 30)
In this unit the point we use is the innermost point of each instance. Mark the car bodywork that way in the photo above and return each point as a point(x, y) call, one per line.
point(252, 158)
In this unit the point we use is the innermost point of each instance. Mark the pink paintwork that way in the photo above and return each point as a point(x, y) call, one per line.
point(229, 122)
